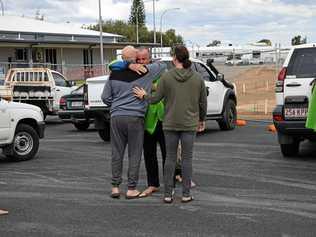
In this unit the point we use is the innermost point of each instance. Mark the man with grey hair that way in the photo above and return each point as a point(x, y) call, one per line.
point(127, 116)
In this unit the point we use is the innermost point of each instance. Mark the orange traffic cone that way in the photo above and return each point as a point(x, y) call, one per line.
point(271, 128)
point(240, 122)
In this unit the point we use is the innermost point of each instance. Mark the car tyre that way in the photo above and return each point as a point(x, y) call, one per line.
point(82, 126)
point(228, 122)
point(25, 144)
point(105, 133)
point(290, 150)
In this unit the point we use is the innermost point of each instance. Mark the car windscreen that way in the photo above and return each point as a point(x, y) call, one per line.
point(78, 91)
point(303, 63)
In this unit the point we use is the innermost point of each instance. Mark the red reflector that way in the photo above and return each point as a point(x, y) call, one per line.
point(62, 101)
point(282, 74)
point(278, 117)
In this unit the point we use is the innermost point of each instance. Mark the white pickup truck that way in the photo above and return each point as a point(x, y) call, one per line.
point(37, 86)
point(221, 98)
point(21, 126)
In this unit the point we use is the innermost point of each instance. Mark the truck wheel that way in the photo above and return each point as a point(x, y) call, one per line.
point(228, 122)
point(25, 144)
point(290, 150)
point(105, 133)
point(82, 126)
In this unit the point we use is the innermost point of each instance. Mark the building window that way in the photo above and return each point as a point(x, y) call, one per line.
point(87, 57)
point(21, 54)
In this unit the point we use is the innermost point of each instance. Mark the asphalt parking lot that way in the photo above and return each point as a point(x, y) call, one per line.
point(244, 188)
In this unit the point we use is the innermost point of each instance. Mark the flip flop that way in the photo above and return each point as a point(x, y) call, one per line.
point(168, 200)
point(187, 199)
point(147, 193)
point(115, 195)
point(132, 197)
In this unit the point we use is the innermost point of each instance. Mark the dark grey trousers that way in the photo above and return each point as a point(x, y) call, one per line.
point(187, 142)
point(126, 130)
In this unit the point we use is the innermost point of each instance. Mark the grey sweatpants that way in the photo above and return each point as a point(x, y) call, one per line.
point(126, 130)
point(172, 141)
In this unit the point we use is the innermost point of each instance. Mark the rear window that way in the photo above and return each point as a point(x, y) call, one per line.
point(303, 63)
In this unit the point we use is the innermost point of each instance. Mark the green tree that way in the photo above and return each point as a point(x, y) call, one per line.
point(137, 13)
point(120, 27)
point(297, 40)
point(266, 41)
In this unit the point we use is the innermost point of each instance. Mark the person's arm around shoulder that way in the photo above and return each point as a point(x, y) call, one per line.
point(121, 65)
point(202, 107)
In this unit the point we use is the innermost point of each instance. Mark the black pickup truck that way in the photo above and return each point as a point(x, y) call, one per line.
point(72, 109)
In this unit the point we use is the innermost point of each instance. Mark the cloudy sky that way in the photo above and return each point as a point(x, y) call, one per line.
point(198, 21)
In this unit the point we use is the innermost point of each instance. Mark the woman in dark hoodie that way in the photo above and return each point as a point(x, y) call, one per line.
point(184, 95)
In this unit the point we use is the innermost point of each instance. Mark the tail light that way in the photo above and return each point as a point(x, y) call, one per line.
point(278, 117)
point(279, 86)
point(62, 103)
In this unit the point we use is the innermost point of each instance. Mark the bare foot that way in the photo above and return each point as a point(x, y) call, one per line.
point(149, 191)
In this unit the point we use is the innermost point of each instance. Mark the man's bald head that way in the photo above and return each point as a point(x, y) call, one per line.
point(129, 53)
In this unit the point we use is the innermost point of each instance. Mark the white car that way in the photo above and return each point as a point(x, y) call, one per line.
point(221, 98)
point(21, 127)
point(293, 91)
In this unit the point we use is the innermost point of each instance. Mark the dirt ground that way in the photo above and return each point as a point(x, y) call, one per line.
point(255, 91)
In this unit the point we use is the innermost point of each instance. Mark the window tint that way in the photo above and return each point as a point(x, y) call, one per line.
point(59, 80)
point(206, 75)
point(303, 63)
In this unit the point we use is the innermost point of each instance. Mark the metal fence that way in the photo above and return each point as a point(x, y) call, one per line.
point(72, 72)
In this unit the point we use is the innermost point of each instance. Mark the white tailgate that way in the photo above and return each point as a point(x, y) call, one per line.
point(95, 88)
point(297, 86)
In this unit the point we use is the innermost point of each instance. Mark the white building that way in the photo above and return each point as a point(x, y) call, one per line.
point(26, 42)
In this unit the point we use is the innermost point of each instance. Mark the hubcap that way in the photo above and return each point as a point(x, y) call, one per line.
point(23, 143)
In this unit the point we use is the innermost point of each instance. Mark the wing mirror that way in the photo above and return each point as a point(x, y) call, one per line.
point(209, 62)
point(220, 77)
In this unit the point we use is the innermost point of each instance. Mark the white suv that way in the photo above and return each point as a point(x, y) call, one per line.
point(293, 90)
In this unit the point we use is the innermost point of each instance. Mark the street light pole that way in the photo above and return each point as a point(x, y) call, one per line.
point(137, 36)
point(101, 39)
point(2, 7)
point(154, 19)
point(165, 11)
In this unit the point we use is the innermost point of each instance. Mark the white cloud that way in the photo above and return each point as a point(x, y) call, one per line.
point(238, 21)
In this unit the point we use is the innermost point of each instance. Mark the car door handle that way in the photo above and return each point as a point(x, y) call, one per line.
point(293, 85)
point(57, 89)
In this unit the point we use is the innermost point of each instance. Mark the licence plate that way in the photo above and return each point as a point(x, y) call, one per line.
point(76, 104)
point(295, 112)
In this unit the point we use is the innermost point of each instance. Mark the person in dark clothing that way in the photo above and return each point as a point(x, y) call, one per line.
point(153, 134)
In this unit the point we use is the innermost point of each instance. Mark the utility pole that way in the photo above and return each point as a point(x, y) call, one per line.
point(101, 39)
point(137, 36)
point(154, 19)
point(2, 7)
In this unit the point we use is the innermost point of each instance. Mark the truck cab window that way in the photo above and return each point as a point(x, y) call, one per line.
point(60, 81)
point(206, 75)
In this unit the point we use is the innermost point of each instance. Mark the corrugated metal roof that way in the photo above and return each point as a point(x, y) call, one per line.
point(30, 25)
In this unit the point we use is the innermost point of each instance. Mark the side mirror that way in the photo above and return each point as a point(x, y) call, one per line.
point(209, 62)
point(72, 83)
point(220, 77)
